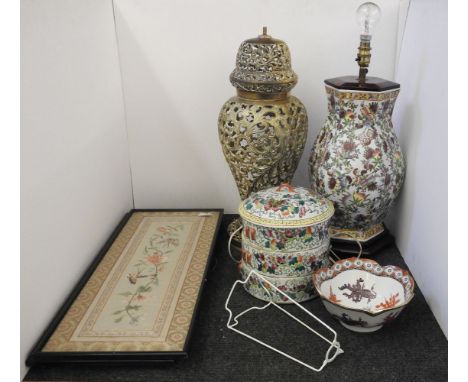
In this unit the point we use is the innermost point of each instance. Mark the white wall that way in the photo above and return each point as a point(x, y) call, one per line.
point(75, 177)
point(419, 221)
point(176, 57)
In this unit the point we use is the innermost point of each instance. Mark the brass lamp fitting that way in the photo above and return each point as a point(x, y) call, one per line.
point(367, 16)
point(363, 58)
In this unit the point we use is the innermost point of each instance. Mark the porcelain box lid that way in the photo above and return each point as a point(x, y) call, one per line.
point(286, 206)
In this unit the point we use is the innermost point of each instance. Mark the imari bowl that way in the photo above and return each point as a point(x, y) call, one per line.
point(362, 294)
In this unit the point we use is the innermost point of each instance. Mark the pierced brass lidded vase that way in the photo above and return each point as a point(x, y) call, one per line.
point(263, 129)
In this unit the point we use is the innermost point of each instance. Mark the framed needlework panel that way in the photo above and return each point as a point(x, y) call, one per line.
point(138, 299)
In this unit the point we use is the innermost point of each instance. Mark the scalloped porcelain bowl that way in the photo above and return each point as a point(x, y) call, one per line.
point(362, 294)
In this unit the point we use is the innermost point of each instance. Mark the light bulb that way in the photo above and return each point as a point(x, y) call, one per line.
point(367, 16)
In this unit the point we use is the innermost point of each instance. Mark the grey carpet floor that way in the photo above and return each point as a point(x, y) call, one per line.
point(413, 348)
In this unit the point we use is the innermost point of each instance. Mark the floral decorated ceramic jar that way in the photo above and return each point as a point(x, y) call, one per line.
point(356, 161)
point(285, 238)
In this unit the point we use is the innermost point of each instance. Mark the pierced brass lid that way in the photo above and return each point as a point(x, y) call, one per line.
point(263, 65)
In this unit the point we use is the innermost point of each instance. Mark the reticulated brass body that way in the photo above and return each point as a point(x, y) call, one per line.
point(262, 140)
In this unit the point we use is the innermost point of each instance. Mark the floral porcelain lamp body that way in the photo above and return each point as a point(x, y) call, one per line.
point(356, 161)
point(285, 239)
point(263, 129)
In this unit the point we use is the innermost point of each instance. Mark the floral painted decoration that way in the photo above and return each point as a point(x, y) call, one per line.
point(367, 265)
point(291, 264)
point(392, 301)
point(356, 161)
point(288, 239)
point(284, 238)
point(299, 289)
point(286, 206)
point(332, 296)
point(145, 279)
point(369, 303)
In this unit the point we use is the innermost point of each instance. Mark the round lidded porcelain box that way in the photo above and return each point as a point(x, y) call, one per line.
point(285, 238)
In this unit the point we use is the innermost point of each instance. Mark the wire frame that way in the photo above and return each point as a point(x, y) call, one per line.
point(232, 322)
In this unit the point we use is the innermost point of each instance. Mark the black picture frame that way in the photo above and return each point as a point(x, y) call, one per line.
point(36, 356)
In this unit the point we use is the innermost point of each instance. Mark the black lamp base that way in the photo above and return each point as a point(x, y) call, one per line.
point(349, 248)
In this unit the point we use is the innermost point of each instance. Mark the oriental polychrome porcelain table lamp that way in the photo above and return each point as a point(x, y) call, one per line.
point(263, 129)
point(356, 161)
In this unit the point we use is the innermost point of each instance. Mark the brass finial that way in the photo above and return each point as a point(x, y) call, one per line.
point(264, 33)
